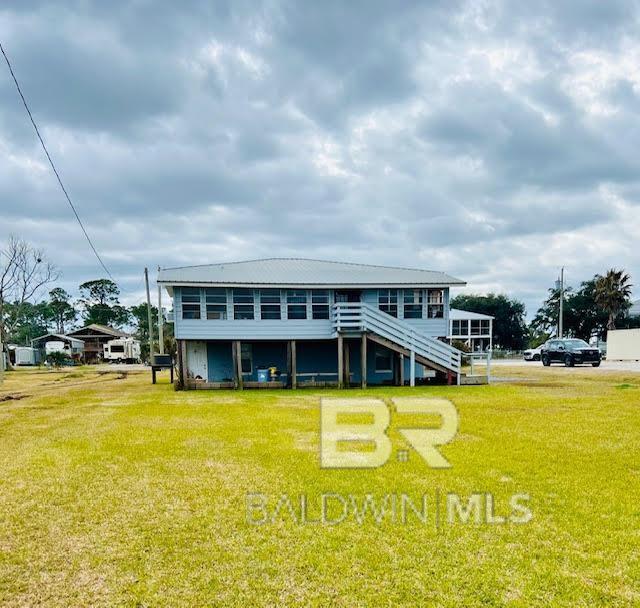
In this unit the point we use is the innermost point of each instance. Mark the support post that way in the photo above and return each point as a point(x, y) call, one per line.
point(401, 369)
point(294, 365)
point(363, 360)
point(340, 362)
point(412, 372)
point(347, 364)
point(160, 320)
point(149, 316)
point(237, 347)
point(184, 373)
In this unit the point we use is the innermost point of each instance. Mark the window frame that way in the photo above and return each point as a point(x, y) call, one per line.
point(294, 302)
point(243, 307)
point(188, 302)
point(271, 307)
point(435, 304)
point(388, 301)
point(412, 309)
point(215, 300)
point(320, 304)
point(246, 357)
point(382, 352)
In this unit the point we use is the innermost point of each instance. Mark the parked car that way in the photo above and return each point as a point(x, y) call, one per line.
point(570, 351)
point(533, 354)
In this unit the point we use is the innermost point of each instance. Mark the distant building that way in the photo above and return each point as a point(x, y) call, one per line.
point(95, 336)
point(289, 322)
point(50, 343)
point(634, 311)
point(472, 328)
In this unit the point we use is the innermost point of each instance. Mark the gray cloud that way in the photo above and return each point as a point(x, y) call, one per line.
point(494, 140)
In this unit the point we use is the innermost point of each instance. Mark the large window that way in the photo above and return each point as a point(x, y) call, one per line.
point(459, 327)
point(270, 304)
point(388, 301)
point(435, 303)
point(475, 327)
point(216, 301)
point(190, 302)
point(246, 358)
point(384, 359)
point(320, 304)
point(296, 304)
point(243, 304)
point(413, 303)
point(484, 327)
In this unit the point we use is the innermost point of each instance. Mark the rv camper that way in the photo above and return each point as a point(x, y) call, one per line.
point(122, 350)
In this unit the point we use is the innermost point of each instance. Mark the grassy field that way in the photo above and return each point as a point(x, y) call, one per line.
point(114, 492)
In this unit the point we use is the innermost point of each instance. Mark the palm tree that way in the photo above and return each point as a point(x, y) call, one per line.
point(613, 293)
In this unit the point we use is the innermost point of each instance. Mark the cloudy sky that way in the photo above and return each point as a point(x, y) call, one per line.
point(495, 141)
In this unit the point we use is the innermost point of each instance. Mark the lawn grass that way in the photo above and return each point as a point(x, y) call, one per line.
point(115, 492)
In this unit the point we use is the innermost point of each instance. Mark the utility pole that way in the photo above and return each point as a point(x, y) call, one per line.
point(160, 320)
point(149, 315)
point(560, 285)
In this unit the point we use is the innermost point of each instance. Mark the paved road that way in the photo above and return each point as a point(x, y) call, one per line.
point(617, 366)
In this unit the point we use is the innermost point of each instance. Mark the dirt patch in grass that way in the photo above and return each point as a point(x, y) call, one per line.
point(13, 397)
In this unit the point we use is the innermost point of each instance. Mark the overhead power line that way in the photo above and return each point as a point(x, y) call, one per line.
point(33, 122)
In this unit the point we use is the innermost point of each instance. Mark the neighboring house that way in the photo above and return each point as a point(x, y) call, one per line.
point(95, 336)
point(72, 347)
point(288, 322)
point(472, 328)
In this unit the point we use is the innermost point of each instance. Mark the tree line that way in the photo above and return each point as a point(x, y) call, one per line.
point(25, 313)
point(597, 305)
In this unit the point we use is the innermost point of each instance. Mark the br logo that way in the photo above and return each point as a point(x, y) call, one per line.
point(353, 432)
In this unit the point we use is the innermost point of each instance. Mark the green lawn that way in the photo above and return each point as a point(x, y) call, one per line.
point(116, 492)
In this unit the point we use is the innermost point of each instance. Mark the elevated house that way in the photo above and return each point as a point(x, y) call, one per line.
point(94, 337)
point(472, 328)
point(292, 322)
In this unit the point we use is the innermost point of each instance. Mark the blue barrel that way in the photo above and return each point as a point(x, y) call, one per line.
point(263, 375)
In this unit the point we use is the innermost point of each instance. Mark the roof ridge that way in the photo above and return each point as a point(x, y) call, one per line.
point(297, 259)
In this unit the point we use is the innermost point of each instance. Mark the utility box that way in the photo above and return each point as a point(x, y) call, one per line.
point(623, 345)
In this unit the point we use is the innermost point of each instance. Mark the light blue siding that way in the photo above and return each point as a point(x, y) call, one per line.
point(286, 329)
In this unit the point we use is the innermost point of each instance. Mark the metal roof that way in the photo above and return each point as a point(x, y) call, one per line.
point(456, 314)
point(101, 329)
point(285, 272)
point(60, 337)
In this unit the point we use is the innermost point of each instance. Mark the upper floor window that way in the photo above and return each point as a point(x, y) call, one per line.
point(320, 304)
point(435, 303)
point(190, 302)
point(270, 304)
point(216, 301)
point(475, 327)
point(413, 303)
point(485, 327)
point(459, 327)
point(243, 304)
point(296, 304)
point(388, 301)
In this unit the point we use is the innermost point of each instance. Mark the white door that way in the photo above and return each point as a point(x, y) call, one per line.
point(197, 360)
